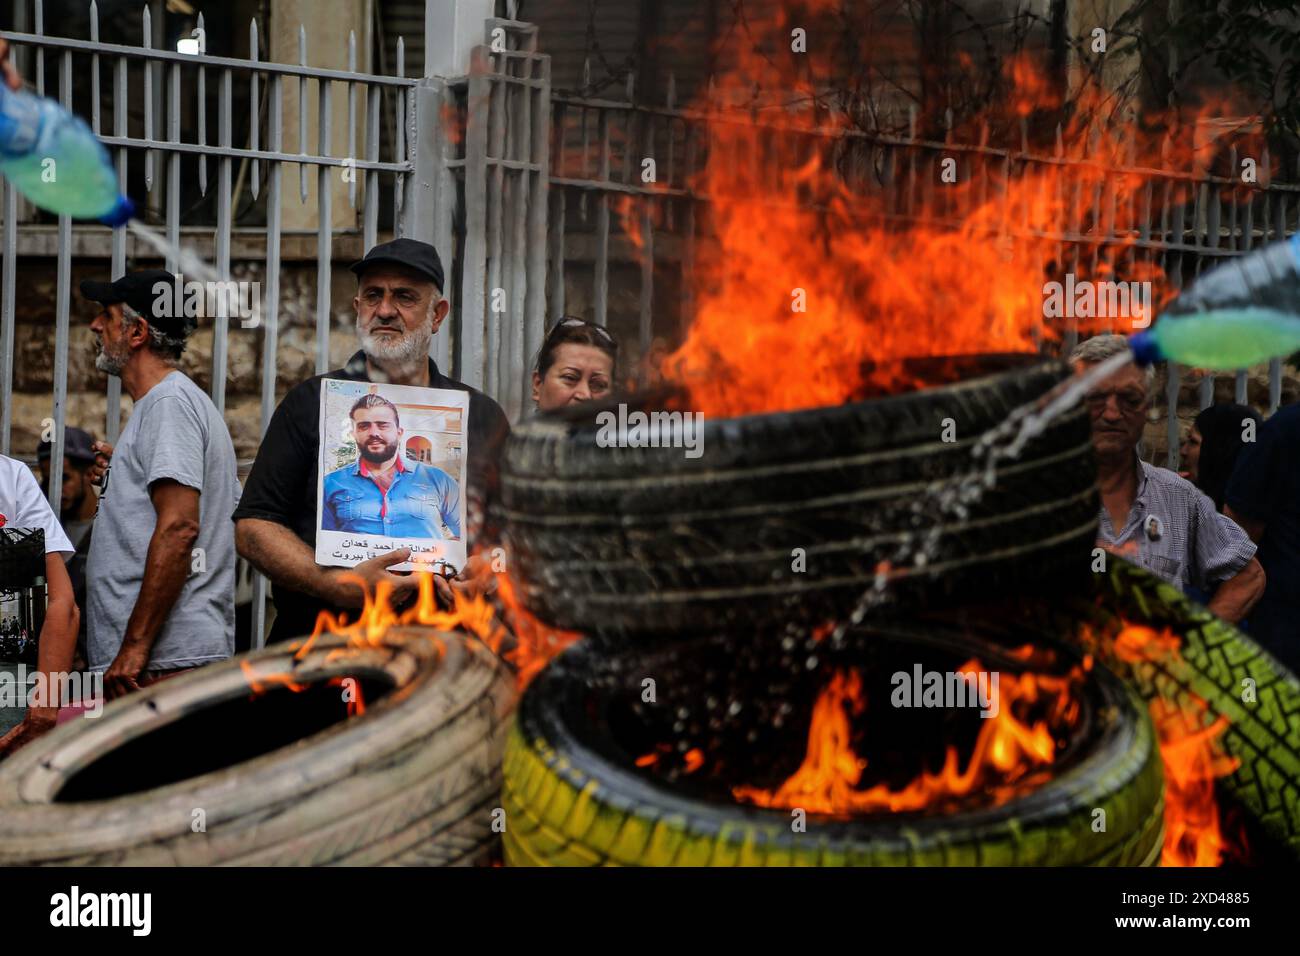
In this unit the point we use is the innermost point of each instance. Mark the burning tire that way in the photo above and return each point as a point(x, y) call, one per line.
point(196, 770)
point(596, 774)
point(623, 541)
point(1215, 668)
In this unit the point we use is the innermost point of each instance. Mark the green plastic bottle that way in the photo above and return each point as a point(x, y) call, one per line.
point(1245, 312)
point(52, 158)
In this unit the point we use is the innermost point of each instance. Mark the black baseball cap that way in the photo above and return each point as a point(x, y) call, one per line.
point(77, 445)
point(411, 253)
point(138, 290)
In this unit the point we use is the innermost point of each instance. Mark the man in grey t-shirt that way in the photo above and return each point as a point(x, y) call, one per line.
point(161, 573)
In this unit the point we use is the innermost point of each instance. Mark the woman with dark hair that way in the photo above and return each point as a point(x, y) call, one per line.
point(576, 364)
point(1220, 432)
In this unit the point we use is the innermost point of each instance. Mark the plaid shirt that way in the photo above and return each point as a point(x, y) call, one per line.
point(1174, 532)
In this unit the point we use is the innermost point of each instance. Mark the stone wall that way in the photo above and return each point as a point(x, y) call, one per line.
point(87, 387)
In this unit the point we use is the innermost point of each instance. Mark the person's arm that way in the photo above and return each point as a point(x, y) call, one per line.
point(1237, 595)
point(1225, 561)
point(58, 641)
point(166, 567)
point(8, 71)
point(288, 561)
point(58, 644)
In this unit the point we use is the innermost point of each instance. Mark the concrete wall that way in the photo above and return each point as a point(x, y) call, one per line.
point(327, 23)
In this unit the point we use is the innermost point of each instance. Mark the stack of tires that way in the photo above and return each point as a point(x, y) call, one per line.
point(789, 517)
point(780, 526)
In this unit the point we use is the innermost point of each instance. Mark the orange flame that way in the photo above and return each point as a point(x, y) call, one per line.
point(505, 627)
point(509, 631)
point(694, 759)
point(1007, 753)
point(1192, 754)
point(840, 263)
point(260, 684)
point(355, 700)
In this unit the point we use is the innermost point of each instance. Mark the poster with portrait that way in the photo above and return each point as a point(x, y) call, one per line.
point(392, 474)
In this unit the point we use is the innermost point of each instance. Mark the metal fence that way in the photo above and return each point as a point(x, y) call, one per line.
point(517, 187)
point(598, 145)
point(154, 141)
point(502, 168)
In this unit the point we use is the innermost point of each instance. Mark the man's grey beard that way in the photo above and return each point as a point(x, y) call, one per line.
point(407, 352)
point(109, 363)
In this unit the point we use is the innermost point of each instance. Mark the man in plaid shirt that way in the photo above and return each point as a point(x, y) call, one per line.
point(1151, 515)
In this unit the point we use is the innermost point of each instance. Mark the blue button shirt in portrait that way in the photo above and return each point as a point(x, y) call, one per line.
point(419, 496)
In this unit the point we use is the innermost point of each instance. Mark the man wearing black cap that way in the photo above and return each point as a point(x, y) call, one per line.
point(399, 306)
point(78, 502)
point(160, 594)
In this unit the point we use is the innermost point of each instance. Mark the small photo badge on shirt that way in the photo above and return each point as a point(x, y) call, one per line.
point(392, 474)
point(1155, 528)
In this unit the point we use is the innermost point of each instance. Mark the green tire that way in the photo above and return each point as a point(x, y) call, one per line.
point(570, 802)
point(1214, 663)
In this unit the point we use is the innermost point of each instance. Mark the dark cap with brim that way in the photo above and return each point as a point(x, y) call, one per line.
point(78, 445)
point(412, 254)
point(153, 293)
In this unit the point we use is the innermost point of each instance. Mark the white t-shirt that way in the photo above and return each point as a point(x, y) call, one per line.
point(22, 505)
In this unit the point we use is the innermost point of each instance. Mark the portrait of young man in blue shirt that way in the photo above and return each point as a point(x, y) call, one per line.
point(381, 494)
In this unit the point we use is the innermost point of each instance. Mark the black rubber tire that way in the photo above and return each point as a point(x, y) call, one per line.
point(1214, 660)
point(638, 541)
point(415, 779)
point(572, 795)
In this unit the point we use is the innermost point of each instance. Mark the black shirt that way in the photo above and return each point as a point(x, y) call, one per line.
point(1265, 485)
point(282, 484)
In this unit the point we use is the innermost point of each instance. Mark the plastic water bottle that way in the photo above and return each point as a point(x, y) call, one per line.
point(1244, 312)
point(52, 158)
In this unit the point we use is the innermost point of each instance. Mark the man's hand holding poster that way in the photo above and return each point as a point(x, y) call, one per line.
point(392, 474)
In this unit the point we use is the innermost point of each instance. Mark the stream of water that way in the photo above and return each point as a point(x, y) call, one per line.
point(187, 261)
point(953, 497)
point(221, 296)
